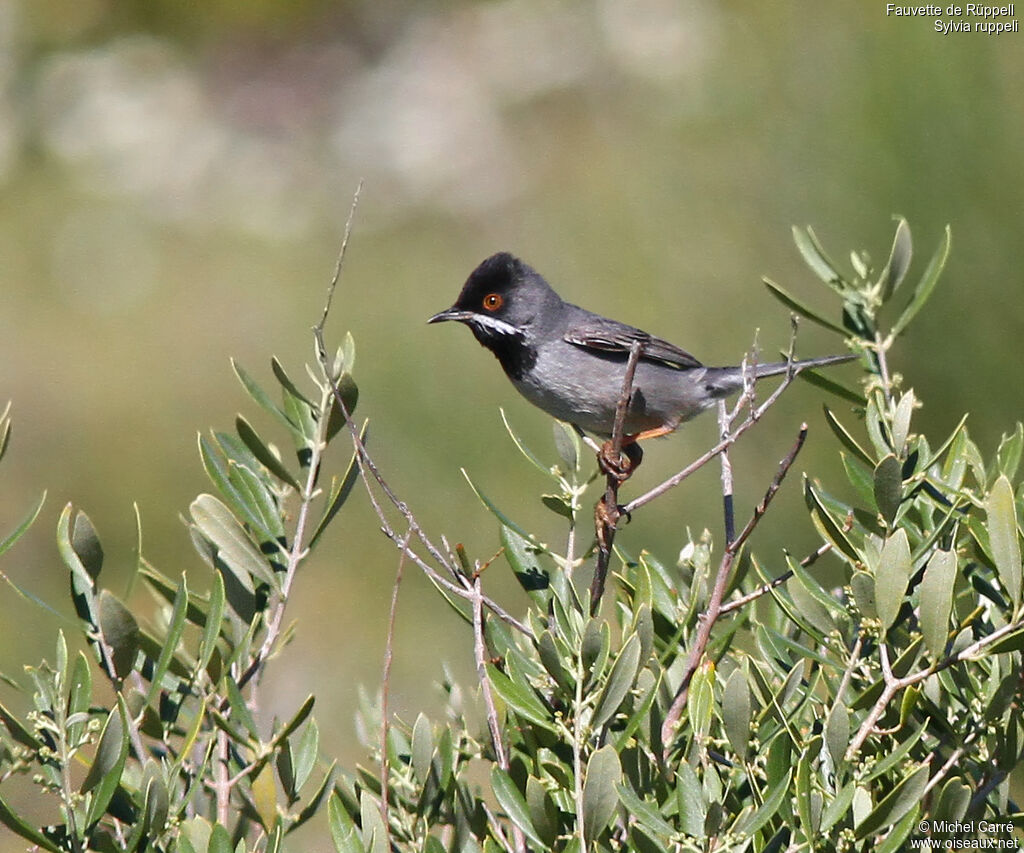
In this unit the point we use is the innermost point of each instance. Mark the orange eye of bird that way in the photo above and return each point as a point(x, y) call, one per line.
point(493, 301)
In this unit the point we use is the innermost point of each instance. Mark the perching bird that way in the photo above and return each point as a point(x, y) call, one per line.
point(571, 362)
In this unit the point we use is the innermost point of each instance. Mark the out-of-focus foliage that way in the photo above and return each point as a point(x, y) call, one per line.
point(853, 716)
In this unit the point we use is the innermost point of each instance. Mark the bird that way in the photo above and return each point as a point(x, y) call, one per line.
point(571, 362)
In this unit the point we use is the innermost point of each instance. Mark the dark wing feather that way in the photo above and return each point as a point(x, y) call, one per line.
point(599, 333)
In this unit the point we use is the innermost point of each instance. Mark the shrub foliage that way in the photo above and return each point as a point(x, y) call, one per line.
point(722, 700)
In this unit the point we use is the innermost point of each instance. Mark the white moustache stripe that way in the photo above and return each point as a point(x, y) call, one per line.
point(493, 324)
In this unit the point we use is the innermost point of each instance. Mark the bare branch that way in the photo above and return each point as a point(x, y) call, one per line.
point(606, 512)
point(385, 690)
point(714, 608)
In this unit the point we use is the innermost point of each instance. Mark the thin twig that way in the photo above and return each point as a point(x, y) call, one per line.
point(893, 685)
point(714, 608)
point(743, 600)
point(493, 726)
point(607, 511)
point(755, 415)
point(369, 471)
point(728, 508)
point(385, 690)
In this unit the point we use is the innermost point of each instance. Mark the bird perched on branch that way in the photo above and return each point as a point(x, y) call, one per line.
point(571, 362)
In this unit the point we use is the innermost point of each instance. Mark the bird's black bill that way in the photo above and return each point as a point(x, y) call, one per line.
point(450, 314)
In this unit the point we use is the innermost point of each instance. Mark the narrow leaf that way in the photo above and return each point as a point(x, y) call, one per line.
point(120, 632)
point(1003, 538)
point(520, 698)
point(925, 286)
point(899, 260)
point(600, 796)
point(900, 800)
point(801, 308)
point(25, 524)
point(620, 681)
point(937, 601)
point(888, 487)
point(736, 711)
point(847, 440)
point(814, 256)
point(514, 804)
point(263, 453)
point(892, 577)
point(234, 547)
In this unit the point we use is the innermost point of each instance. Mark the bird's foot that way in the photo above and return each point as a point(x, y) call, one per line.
point(606, 521)
point(620, 465)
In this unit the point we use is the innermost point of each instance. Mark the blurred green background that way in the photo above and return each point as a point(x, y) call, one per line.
point(175, 181)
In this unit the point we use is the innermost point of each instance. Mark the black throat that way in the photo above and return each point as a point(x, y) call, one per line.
point(515, 355)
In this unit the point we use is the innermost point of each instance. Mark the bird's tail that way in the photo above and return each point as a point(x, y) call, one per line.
point(723, 381)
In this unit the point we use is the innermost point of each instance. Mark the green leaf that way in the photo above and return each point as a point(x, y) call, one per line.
point(768, 809)
point(528, 454)
point(175, 629)
point(846, 439)
point(899, 260)
point(108, 763)
point(644, 811)
point(520, 698)
point(344, 832)
point(498, 514)
point(802, 786)
point(895, 804)
point(690, 800)
point(888, 487)
point(263, 453)
point(349, 393)
point(1008, 454)
point(306, 753)
point(600, 797)
point(620, 681)
point(422, 752)
point(567, 445)
point(819, 379)
point(827, 525)
point(233, 546)
point(901, 421)
point(814, 256)
point(801, 308)
point(892, 577)
point(25, 524)
point(86, 544)
point(559, 505)
point(512, 801)
point(736, 711)
point(543, 812)
point(263, 400)
point(211, 630)
point(837, 732)
point(953, 800)
point(1004, 543)
point(551, 658)
point(937, 601)
point(299, 409)
point(220, 841)
point(522, 557)
point(925, 286)
point(340, 490)
point(120, 633)
point(700, 698)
